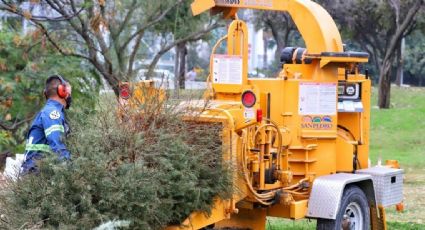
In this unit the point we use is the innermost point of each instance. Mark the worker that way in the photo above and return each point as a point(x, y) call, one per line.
point(190, 78)
point(191, 75)
point(49, 128)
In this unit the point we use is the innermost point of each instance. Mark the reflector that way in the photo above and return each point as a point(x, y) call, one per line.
point(248, 99)
point(125, 91)
point(259, 115)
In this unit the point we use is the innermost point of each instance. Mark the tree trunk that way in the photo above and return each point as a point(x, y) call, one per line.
point(280, 43)
point(394, 42)
point(384, 91)
point(176, 73)
point(278, 52)
point(280, 36)
point(264, 50)
point(115, 87)
point(182, 65)
point(113, 82)
point(399, 76)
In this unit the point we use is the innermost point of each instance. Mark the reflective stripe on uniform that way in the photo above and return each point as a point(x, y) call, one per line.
point(53, 128)
point(38, 147)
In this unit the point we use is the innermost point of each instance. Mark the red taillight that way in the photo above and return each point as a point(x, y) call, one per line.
point(125, 91)
point(259, 115)
point(248, 99)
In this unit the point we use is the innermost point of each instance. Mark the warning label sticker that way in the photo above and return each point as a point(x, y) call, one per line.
point(317, 98)
point(227, 69)
point(249, 113)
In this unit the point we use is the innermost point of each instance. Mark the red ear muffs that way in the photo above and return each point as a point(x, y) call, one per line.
point(62, 92)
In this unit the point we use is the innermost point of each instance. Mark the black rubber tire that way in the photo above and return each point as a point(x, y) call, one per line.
point(351, 194)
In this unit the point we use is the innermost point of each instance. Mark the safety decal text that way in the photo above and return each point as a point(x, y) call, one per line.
point(317, 98)
point(227, 69)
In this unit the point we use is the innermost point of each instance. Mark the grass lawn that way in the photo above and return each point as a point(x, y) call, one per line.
point(282, 224)
point(396, 133)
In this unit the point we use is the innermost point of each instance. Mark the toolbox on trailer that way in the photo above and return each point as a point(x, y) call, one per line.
point(387, 182)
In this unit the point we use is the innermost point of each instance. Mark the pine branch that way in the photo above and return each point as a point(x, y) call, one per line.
point(15, 125)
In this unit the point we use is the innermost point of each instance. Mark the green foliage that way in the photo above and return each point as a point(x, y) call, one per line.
point(415, 57)
point(20, 83)
point(152, 170)
point(6, 139)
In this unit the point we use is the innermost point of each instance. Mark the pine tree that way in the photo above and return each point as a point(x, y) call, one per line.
point(151, 170)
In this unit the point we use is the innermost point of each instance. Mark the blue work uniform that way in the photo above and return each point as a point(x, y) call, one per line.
point(46, 135)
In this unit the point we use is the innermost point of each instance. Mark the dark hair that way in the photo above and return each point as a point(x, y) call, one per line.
point(51, 86)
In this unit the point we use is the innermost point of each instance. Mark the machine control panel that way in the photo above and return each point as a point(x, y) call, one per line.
point(349, 97)
point(348, 91)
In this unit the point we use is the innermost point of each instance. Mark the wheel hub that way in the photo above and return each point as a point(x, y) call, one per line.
point(353, 217)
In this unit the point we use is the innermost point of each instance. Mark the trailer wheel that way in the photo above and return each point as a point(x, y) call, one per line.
point(353, 212)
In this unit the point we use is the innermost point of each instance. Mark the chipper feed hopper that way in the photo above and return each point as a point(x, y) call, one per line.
point(298, 142)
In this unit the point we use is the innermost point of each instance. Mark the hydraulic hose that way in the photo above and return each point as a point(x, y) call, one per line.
point(264, 198)
point(279, 150)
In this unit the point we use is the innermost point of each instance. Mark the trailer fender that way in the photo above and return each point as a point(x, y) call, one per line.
point(326, 193)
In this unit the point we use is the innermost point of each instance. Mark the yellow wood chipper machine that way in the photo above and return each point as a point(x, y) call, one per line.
point(299, 142)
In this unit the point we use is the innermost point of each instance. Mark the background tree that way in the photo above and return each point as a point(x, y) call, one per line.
point(106, 34)
point(185, 29)
point(378, 27)
point(404, 17)
point(280, 26)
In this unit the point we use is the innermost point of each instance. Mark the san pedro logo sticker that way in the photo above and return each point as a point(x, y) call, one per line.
point(54, 115)
point(316, 122)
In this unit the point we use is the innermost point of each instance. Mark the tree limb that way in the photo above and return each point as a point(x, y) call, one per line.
point(190, 38)
point(15, 125)
point(57, 19)
point(154, 21)
point(115, 34)
point(74, 9)
point(46, 33)
point(402, 28)
point(133, 55)
point(384, 76)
